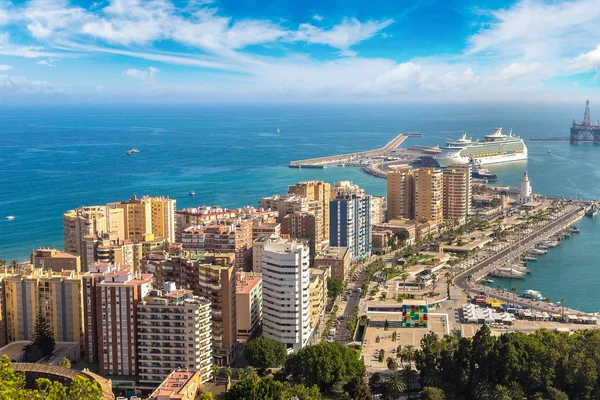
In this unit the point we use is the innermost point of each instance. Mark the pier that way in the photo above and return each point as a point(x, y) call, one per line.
point(322, 162)
point(551, 138)
point(482, 268)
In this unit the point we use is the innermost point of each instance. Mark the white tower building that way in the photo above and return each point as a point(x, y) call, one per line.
point(526, 195)
point(286, 294)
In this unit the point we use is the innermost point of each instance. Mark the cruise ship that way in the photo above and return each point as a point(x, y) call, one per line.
point(496, 148)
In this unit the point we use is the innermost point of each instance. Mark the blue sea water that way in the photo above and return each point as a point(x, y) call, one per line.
point(55, 158)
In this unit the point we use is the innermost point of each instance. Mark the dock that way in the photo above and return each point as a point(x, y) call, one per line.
point(484, 267)
point(551, 138)
point(322, 162)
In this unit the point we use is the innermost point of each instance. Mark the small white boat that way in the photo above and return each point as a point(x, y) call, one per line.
point(549, 151)
point(10, 217)
point(192, 193)
point(278, 131)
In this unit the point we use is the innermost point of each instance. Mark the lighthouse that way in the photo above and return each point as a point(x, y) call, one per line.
point(526, 195)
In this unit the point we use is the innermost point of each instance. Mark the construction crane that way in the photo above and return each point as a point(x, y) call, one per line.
point(586, 117)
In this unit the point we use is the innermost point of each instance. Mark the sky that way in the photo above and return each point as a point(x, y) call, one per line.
point(309, 51)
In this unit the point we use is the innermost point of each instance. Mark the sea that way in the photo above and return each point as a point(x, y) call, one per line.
point(57, 157)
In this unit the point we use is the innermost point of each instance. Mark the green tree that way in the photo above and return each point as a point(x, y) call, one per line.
point(43, 343)
point(51, 390)
point(335, 286)
point(404, 276)
point(263, 353)
point(448, 277)
point(206, 396)
point(358, 389)
point(64, 362)
point(215, 372)
point(392, 364)
point(249, 373)
point(325, 365)
point(228, 373)
point(433, 393)
point(393, 387)
point(381, 355)
point(82, 388)
point(301, 392)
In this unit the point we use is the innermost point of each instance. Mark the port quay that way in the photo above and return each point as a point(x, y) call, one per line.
point(322, 162)
point(467, 279)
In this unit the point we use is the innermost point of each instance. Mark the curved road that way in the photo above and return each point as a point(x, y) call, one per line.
point(461, 279)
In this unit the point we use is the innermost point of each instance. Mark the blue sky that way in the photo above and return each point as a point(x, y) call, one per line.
point(351, 50)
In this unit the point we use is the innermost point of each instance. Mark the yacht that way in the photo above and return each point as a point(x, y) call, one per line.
point(495, 148)
point(192, 193)
point(130, 152)
point(10, 217)
point(532, 294)
point(480, 172)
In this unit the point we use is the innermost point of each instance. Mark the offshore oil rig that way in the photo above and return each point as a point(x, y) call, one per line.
point(586, 132)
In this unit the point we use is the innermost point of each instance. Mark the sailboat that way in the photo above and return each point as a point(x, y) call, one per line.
point(278, 131)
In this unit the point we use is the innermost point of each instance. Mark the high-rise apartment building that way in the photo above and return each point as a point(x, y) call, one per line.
point(84, 221)
point(351, 223)
point(319, 191)
point(248, 303)
point(429, 194)
point(336, 260)
point(318, 294)
point(225, 236)
point(301, 226)
point(57, 295)
point(377, 204)
point(216, 282)
point(173, 332)
point(112, 293)
point(148, 217)
point(400, 194)
point(55, 260)
point(457, 191)
point(2, 314)
point(292, 203)
point(286, 293)
point(200, 216)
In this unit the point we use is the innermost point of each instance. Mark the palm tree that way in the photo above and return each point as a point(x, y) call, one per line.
point(484, 283)
point(404, 276)
point(215, 371)
point(393, 387)
point(228, 373)
point(408, 375)
point(562, 303)
point(392, 364)
point(448, 277)
point(514, 291)
point(419, 279)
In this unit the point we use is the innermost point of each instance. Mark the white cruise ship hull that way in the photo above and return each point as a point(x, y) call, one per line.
point(503, 158)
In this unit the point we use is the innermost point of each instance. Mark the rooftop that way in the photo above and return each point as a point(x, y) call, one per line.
point(173, 384)
point(47, 252)
point(244, 282)
point(332, 252)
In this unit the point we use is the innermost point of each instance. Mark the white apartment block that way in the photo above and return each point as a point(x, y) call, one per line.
point(286, 293)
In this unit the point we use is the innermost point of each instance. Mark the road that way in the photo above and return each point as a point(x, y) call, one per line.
point(483, 267)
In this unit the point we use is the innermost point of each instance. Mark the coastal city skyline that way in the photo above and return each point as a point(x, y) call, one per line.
point(224, 200)
point(189, 51)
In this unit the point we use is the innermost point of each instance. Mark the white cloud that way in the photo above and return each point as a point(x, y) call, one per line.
point(318, 17)
point(20, 86)
point(399, 79)
point(4, 67)
point(50, 62)
point(146, 75)
point(537, 29)
point(516, 71)
point(343, 36)
point(586, 61)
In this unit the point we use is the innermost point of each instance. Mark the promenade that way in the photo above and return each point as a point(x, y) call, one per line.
point(321, 162)
point(533, 235)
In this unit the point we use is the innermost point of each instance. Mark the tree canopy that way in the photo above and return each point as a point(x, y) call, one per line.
point(270, 389)
point(324, 365)
point(335, 286)
point(542, 364)
point(12, 386)
point(43, 343)
point(263, 353)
